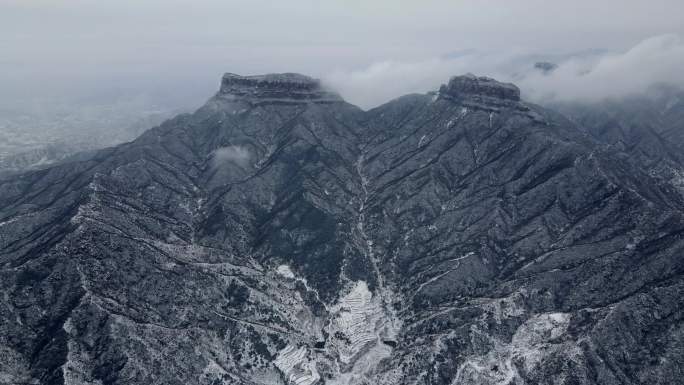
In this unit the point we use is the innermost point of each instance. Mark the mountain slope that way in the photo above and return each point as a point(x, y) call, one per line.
point(646, 129)
point(282, 235)
point(516, 240)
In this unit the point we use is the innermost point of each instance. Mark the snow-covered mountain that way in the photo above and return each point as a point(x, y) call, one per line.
point(280, 235)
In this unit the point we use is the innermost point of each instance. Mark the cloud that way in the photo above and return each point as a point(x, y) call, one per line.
point(658, 60)
point(67, 47)
point(382, 81)
point(588, 76)
point(238, 155)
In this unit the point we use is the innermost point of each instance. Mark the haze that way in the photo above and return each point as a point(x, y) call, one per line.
point(175, 51)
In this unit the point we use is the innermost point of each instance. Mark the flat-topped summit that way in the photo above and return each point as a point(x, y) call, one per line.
point(480, 87)
point(284, 88)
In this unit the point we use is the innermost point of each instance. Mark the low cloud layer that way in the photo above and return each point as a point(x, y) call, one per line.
point(238, 155)
point(587, 76)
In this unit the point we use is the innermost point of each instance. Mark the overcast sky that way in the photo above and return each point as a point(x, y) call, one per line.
point(387, 47)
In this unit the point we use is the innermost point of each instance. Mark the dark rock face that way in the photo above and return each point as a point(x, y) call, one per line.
point(287, 87)
point(480, 87)
point(280, 235)
point(545, 67)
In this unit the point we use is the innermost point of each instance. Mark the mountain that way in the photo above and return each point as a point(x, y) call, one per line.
point(646, 129)
point(280, 235)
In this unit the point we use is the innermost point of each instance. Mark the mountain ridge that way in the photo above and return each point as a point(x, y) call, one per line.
point(279, 235)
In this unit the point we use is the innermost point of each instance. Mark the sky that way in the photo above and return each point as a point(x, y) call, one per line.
point(370, 51)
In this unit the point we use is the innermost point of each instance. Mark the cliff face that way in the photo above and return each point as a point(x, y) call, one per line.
point(280, 235)
point(272, 88)
point(473, 87)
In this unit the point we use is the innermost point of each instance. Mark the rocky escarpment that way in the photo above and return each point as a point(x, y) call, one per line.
point(481, 88)
point(482, 93)
point(280, 235)
point(284, 88)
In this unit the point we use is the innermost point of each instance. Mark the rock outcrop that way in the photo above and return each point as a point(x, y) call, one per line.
point(480, 87)
point(284, 88)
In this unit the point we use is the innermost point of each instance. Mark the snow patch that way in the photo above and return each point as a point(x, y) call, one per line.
point(358, 333)
point(532, 341)
point(507, 307)
point(285, 271)
point(295, 364)
point(422, 139)
point(360, 325)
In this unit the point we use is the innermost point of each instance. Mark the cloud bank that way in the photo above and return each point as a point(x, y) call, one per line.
point(587, 76)
point(238, 155)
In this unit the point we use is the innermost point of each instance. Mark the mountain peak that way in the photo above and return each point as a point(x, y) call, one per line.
point(469, 85)
point(283, 87)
